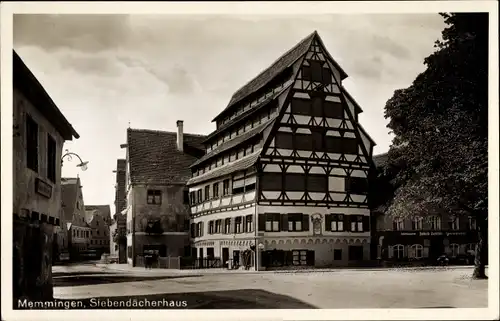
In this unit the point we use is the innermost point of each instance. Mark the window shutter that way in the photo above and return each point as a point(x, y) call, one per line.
point(202, 226)
point(305, 223)
point(391, 252)
point(262, 222)
point(244, 222)
point(347, 222)
point(328, 222)
point(426, 252)
point(366, 223)
point(232, 228)
point(310, 258)
point(284, 222)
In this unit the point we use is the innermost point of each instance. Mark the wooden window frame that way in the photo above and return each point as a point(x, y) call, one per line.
point(154, 197)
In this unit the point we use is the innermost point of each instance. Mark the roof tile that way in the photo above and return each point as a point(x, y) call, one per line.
point(155, 159)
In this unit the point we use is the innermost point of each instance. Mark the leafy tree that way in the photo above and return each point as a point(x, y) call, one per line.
point(440, 124)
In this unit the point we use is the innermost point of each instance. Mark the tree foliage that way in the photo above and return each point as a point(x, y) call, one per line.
point(441, 126)
point(439, 159)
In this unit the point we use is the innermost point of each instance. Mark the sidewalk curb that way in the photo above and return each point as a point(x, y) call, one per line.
point(205, 272)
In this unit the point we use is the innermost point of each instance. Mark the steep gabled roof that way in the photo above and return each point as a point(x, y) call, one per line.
point(154, 157)
point(26, 82)
point(268, 74)
point(103, 210)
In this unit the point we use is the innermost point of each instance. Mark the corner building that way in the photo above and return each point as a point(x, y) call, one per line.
point(286, 171)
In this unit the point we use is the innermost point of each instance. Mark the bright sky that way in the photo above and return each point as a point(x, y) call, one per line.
point(104, 71)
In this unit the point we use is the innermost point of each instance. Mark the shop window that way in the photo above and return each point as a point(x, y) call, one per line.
point(397, 251)
point(454, 250)
point(299, 257)
point(416, 251)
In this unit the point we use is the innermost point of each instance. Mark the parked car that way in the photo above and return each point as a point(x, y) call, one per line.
point(443, 260)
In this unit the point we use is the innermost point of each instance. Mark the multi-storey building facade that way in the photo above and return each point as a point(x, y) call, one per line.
point(423, 238)
point(40, 130)
point(157, 212)
point(118, 227)
point(285, 172)
point(98, 219)
point(73, 208)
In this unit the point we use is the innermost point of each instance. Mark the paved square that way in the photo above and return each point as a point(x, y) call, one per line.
point(347, 289)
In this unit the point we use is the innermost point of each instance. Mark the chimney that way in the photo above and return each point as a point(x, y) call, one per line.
point(180, 135)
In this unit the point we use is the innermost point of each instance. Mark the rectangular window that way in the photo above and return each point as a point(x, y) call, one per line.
point(186, 196)
point(227, 226)
point(192, 198)
point(31, 144)
point(295, 222)
point(306, 73)
point(398, 224)
point(225, 186)
point(249, 223)
point(303, 142)
point(435, 222)
point(216, 190)
point(272, 181)
point(333, 109)
point(356, 185)
point(218, 226)
point(472, 223)
point(295, 182)
point(51, 158)
point(273, 222)
point(299, 257)
point(317, 183)
point(211, 227)
point(284, 140)
point(207, 192)
point(454, 223)
point(417, 223)
point(337, 223)
point(239, 224)
point(199, 231)
point(301, 106)
point(154, 197)
point(316, 71)
point(199, 195)
point(356, 223)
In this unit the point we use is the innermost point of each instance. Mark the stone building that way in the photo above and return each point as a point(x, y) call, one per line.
point(286, 169)
point(98, 218)
point(423, 238)
point(73, 208)
point(118, 228)
point(40, 130)
point(157, 211)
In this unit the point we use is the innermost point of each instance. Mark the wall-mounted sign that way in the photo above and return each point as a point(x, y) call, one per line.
point(43, 188)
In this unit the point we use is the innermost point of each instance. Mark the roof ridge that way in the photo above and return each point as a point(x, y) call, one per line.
point(163, 131)
point(232, 101)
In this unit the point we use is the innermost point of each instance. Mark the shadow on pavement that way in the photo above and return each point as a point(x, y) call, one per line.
point(231, 299)
point(92, 278)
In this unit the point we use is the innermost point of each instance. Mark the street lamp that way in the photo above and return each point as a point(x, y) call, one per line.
point(68, 154)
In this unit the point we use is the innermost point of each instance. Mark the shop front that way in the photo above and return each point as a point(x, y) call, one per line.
point(425, 247)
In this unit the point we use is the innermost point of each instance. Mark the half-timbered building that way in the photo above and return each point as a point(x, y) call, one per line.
point(285, 172)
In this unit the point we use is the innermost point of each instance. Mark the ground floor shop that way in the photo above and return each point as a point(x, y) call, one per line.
point(426, 245)
point(161, 246)
point(283, 252)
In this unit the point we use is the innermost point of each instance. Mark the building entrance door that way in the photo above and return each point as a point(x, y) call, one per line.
point(225, 256)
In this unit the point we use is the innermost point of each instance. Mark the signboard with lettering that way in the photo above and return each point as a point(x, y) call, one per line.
point(43, 188)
